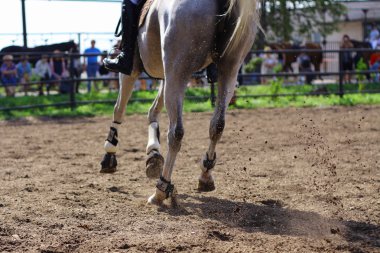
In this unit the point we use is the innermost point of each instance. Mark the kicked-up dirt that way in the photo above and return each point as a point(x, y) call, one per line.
point(288, 180)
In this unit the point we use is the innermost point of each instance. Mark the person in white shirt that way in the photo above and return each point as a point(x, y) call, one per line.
point(269, 63)
point(374, 36)
point(43, 71)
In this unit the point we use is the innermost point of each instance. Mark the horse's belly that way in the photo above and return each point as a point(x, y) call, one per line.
point(152, 60)
point(150, 46)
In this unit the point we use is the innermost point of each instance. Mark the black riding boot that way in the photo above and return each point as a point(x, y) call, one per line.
point(123, 63)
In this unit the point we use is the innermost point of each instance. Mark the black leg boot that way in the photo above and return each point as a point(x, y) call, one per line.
point(124, 61)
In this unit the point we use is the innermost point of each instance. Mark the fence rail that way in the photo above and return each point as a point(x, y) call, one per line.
point(71, 80)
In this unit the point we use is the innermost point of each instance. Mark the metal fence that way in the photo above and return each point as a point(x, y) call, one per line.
point(244, 78)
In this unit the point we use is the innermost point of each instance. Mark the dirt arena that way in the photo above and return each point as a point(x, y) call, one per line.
point(288, 180)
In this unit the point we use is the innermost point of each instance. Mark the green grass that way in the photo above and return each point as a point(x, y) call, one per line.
point(200, 105)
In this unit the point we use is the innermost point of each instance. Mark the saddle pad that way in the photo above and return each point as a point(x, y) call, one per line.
point(145, 11)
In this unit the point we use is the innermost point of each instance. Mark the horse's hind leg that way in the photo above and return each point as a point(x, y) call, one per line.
point(109, 162)
point(226, 86)
point(174, 90)
point(155, 161)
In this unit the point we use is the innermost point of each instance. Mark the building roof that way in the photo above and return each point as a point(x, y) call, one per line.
point(360, 10)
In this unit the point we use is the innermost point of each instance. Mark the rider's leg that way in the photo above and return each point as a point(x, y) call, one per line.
point(130, 14)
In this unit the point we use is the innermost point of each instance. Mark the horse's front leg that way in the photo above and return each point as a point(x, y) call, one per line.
point(155, 160)
point(109, 162)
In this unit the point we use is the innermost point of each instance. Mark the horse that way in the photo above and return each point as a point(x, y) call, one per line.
point(63, 47)
point(288, 58)
point(365, 55)
point(362, 55)
point(177, 39)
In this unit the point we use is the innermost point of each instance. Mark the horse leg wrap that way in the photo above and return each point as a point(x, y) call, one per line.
point(206, 182)
point(208, 164)
point(110, 145)
point(154, 164)
point(165, 186)
point(154, 138)
point(109, 162)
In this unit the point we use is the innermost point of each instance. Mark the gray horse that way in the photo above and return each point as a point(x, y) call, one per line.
point(180, 37)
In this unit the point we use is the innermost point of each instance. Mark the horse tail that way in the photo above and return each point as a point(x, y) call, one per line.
point(246, 14)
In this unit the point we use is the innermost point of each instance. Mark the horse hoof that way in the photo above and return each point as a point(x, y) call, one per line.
point(154, 165)
point(172, 201)
point(109, 163)
point(206, 186)
point(154, 200)
point(159, 197)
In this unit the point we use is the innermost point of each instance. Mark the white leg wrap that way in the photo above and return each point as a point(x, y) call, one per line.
point(108, 146)
point(153, 142)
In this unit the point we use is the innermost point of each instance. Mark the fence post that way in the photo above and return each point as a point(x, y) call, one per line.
point(72, 82)
point(212, 94)
point(341, 73)
point(212, 78)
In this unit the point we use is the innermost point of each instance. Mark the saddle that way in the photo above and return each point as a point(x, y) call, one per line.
point(144, 12)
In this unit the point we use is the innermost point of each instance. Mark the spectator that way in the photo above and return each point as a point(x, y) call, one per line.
point(375, 64)
point(346, 56)
point(24, 72)
point(304, 62)
point(92, 64)
point(9, 75)
point(374, 36)
point(58, 70)
point(104, 73)
point(75, 66)
point(43, 71)
point(269, 62)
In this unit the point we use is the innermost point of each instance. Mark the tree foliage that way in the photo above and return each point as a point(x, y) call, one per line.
point(301, 17)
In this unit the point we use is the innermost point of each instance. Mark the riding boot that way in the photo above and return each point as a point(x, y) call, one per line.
point(129, 19)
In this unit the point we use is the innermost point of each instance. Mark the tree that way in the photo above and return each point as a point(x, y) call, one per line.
point(302, 17)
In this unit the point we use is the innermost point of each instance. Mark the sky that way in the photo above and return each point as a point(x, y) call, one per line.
point(95, 20)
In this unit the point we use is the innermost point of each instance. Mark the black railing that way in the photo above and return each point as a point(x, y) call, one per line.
point(71, 80)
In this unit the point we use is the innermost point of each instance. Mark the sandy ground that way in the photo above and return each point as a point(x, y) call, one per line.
point(288, 180)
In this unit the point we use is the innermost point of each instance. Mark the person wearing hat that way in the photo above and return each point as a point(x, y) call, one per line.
point(9, 75)
point(269, 62)
point(24, 72)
